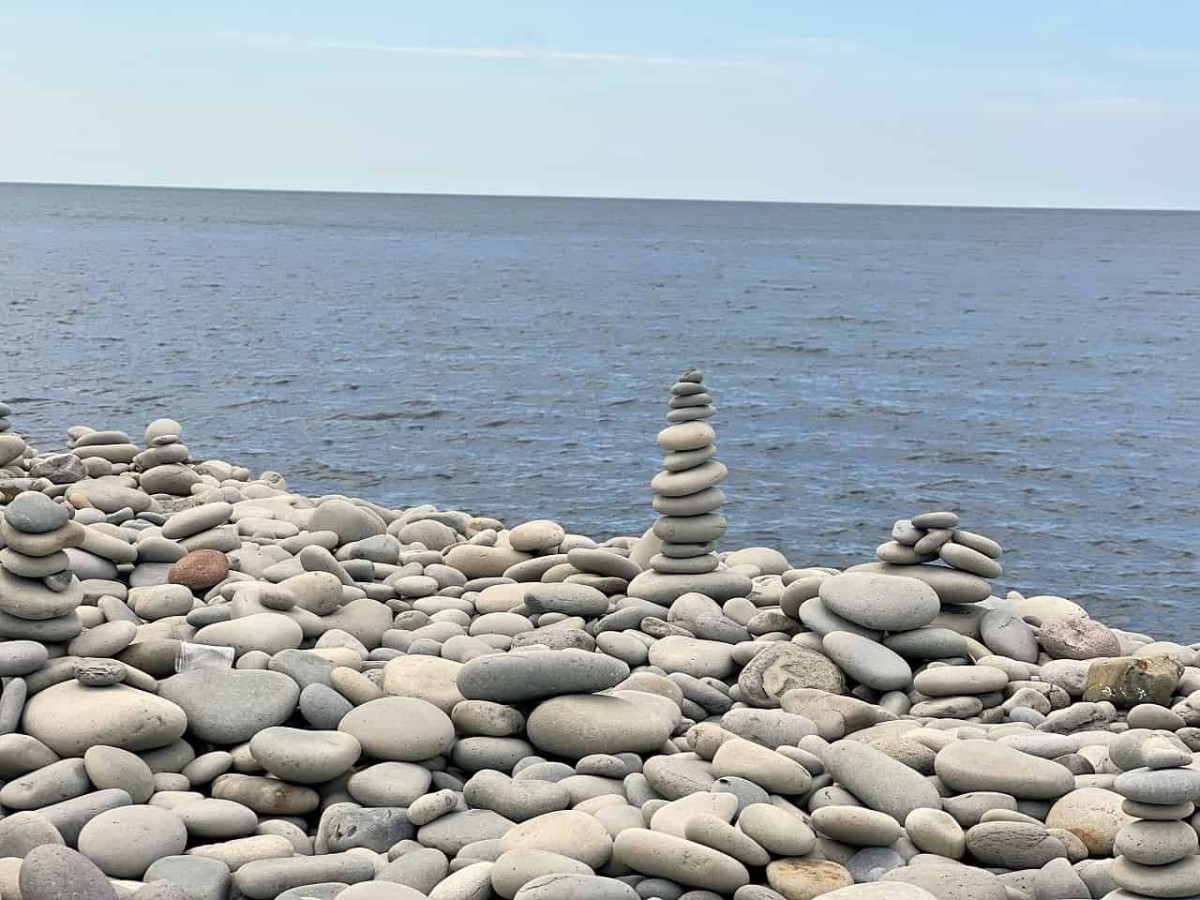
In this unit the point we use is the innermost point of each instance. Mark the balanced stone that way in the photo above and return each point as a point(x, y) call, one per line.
point(883, 602)
point(687, 496)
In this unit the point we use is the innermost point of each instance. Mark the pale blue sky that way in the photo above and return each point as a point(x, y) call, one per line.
point(1017, 103)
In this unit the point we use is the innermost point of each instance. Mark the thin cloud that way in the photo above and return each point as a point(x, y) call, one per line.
point(498, 52)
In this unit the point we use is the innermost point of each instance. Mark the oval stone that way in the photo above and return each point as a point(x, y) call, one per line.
point(69, 718)
point(880, 602)
point(575, 726)
point(980, 765)
point(867, 662)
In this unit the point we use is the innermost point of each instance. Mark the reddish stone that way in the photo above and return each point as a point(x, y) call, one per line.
point(199, 570)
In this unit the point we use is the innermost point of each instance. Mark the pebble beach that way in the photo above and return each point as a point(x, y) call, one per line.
point(215, 688)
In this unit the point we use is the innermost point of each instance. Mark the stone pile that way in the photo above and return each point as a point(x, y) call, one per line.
point(12, 445)
point(102, 452)
point(955, 563)
point(689, 499)
point(271, 696)
point(1156, 853)
point(39, 592)
point(163, 462)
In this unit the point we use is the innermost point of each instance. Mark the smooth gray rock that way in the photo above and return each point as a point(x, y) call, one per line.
point(882, 602)
point(58, 873)
point(980, 765)
point(32, 512)
point(880, 782)
point(521, 677)
point(231, 706)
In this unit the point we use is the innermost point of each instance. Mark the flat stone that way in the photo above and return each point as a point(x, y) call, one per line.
point(881, 602)
point(664, 589)
point(948, 882)
point(32, 512)
point(69, 718)
point(204, 879)
point(199, 570)
point(450, 833)
point(952, 681)
point(428, 731)
point(1007, 634)
point(111, 767)
point(349, 521)
point(571, 886)
point(969, 560)
point(1177, 879)
point(265, 879)
point(428, 678)
point(266, 796)
point(575, 726)
point(980, 765)
point(231, 706)
point(19, 658)
point(1151, 843)
point(522, 677)
point(683, 861)
point(867, 662)
point(269, 632)
point(880, 782)
point(188, 522)
point(302, 756)
point(692, 656)
point(1161, 787)
point(951, 585)
point(124, 842)
point(573, 834)
point(686, 436)
point(856, 826)
point(1017, 845)
point(30, 600)
point(58, 873)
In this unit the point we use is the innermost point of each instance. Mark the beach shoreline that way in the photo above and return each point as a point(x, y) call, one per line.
point(325, 697)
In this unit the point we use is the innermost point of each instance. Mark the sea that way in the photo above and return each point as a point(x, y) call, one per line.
point(1035, 370)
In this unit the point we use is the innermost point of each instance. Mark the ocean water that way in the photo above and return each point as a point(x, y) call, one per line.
point(1035, 370)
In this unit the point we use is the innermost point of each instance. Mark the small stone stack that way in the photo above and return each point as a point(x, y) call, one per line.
point(687, 496)
point(936, 535)
point(102, 452)
point(920, 543)
point(12, 445)
point(1156, 854)
point(38, 590)
point(164, 462)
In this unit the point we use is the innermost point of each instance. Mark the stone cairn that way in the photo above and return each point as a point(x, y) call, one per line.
point(163, 463)
point(688, 499)
point(1156, 853)
point(936, 535)
point(12, 445)
point(39, 592)
point(102, 452)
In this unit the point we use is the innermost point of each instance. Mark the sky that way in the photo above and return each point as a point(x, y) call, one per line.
point(1089, 104)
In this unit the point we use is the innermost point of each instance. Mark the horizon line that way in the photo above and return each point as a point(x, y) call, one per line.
point(600, 197)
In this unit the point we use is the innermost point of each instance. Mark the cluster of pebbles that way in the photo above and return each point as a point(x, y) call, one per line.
point(235, 691)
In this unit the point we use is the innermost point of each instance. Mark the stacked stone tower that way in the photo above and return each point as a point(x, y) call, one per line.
point(687, 496)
